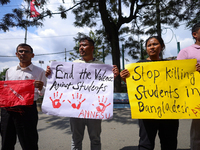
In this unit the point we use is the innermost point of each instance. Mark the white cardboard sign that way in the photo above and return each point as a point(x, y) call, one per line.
point(80, 90)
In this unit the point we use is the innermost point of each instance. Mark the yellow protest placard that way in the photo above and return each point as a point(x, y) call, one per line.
point(164, 89)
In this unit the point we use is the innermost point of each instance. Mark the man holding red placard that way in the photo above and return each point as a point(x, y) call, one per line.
point(22, 120)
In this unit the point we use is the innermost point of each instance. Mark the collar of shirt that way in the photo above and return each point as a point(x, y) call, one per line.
point(196, 46)
point(30, 67)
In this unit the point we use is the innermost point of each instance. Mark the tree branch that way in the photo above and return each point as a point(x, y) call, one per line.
point(41, 17)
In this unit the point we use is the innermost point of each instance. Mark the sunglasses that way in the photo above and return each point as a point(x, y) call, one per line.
point(24, 51)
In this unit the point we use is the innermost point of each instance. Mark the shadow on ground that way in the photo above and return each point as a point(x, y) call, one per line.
point(123, 115)
point(120, 115)
point(130, 148)
point(136, 148)
point(56, 122)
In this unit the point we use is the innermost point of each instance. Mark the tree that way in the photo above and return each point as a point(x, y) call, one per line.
point(160, 13)
point(191, 15)
point(112, 18)
point(18, 18)
point(152, 13)
point(2, 2)
point(3, 74)
point(87, 11)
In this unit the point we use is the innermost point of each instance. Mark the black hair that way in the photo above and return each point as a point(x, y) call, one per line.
point(160, 40)
point(24, 44)
point(88, 39)
point(195, 28)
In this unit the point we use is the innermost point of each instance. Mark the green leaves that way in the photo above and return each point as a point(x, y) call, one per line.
point(3, 74)
point(3, 2)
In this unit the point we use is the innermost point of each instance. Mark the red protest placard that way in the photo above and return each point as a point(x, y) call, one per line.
point(16, 92)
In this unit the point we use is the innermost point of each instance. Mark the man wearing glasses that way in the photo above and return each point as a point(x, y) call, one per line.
point(22, 120)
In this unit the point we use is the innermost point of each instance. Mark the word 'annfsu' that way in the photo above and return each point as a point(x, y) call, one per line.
point(93, 114)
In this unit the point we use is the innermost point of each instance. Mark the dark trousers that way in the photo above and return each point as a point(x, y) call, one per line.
point(94, 131)
point(167, 132)
point(21, 122)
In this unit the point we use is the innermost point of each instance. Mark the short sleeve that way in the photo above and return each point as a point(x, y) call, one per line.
point(182, 55)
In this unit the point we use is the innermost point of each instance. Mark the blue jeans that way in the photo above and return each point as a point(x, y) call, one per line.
point(94, 131)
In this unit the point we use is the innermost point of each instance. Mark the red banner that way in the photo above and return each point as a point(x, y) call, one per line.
point(16, 93)
point(33, 11)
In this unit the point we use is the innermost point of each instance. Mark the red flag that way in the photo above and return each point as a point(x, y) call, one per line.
point(33, 11)
point(16, 92)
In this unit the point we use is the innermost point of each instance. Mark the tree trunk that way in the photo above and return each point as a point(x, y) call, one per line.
point(158, 23)
point(112, 35)
point(116, 59)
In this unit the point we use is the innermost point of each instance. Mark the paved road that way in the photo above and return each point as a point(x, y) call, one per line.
point(120, 133)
